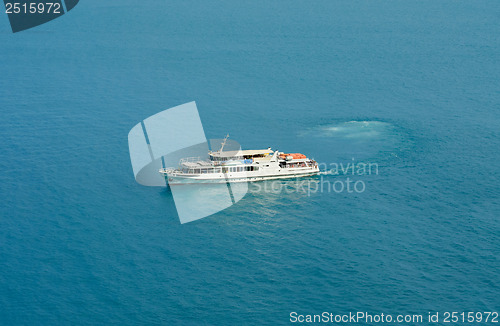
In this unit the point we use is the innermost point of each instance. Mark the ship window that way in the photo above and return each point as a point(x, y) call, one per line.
point(256, 168)
point(197, 171)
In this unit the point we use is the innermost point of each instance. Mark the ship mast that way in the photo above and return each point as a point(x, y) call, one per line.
point(223, 143)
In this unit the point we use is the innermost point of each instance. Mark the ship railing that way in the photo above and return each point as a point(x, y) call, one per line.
point(298, 165)
point(190, 159)
point(226, 162)
point(167, 170)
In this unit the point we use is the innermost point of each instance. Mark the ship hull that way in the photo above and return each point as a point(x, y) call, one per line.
point(175, 179)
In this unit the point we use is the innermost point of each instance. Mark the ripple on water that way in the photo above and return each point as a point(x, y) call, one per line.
point(364, 139)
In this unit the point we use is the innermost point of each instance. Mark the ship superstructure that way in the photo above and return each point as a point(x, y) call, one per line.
point(240, 166)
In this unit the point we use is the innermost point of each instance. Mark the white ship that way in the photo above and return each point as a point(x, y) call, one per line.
point(240, 166)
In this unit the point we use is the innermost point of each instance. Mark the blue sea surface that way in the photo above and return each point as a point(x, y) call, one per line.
point(411, 86)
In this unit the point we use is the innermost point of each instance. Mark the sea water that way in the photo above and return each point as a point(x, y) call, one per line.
point(410, 86)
